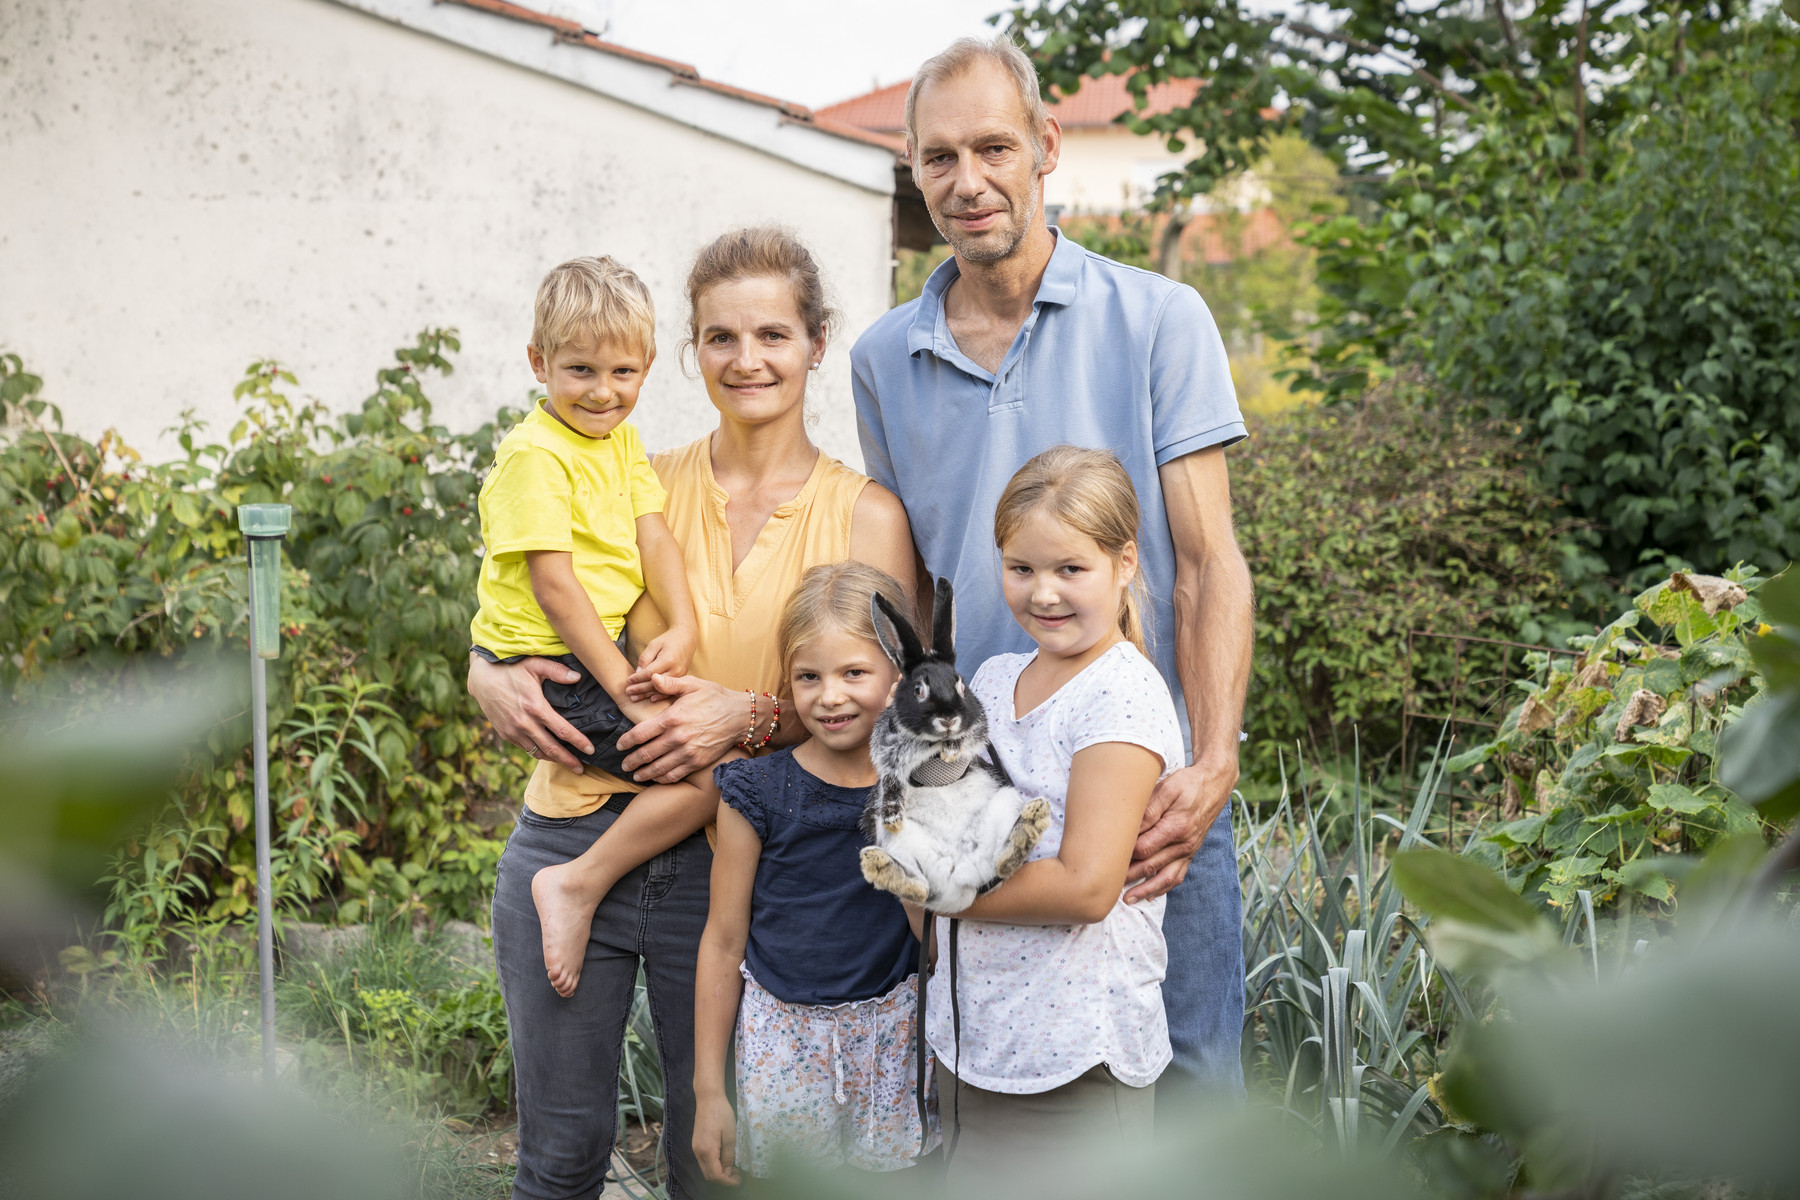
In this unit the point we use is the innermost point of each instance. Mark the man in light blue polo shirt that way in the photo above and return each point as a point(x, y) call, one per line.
point(1022, 341)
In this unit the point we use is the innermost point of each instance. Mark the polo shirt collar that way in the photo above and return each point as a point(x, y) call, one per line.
point(1056, 287)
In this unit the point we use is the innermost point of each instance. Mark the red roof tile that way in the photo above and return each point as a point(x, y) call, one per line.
point(1097, 102)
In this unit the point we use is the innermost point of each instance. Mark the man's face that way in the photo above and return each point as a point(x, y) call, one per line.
point(976, 164)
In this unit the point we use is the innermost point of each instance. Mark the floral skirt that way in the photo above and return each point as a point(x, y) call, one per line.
point(831, 1084)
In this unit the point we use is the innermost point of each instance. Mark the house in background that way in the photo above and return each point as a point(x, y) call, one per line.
point(1105, 169)
point(194, 184)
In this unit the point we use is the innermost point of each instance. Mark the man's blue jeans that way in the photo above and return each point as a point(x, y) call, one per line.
point(1203, 993)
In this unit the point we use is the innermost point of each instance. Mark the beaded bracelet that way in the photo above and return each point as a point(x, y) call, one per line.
point(774, 721)
point(744, 742)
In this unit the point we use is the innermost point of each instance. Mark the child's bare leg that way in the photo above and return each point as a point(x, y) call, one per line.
point(567, 894)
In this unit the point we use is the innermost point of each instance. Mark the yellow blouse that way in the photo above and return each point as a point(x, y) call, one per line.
point(739, 611)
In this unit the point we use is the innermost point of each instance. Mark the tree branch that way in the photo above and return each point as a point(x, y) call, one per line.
point(1506, 29)
point(1374, 51)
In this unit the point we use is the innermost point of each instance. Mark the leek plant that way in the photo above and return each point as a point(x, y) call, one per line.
point(1346, 1007)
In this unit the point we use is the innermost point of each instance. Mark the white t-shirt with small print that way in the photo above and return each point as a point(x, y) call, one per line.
point(1042, 1004)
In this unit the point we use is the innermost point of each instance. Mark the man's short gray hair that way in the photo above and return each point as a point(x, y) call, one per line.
point(958, 57)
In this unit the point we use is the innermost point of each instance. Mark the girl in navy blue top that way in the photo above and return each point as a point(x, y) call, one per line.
point(812, 967)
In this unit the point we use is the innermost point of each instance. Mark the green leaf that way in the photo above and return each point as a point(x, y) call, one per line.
point(1520, 833)
point(1644, 875)
point(1447, 885)
point(1469, 757)
point(1632, 754)
point(1757, 757)
point(186, 508)
point(348, 508)
point(1672, 797)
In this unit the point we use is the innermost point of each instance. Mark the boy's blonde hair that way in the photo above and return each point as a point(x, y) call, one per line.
point(834, 596)
point(1090, 492)
point(593, 297)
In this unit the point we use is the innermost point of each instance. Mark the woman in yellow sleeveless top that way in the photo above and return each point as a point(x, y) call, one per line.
point(753, 504)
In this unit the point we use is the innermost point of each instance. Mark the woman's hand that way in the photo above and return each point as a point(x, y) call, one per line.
point(705, 720)
point(715, 1138)
point(512, 698)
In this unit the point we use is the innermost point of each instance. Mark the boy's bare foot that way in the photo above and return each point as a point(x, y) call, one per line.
point(567, 918)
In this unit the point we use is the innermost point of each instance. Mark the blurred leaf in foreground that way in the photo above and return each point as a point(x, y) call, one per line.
point(1760, 753)
point(1688, 1063)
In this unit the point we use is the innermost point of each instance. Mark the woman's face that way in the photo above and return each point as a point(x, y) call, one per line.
point(753, 349)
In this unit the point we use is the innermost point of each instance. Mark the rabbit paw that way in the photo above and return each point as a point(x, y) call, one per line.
point(880, 869)
point(1034, 818)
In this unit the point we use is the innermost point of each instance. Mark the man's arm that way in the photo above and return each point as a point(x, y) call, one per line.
point(1213, 635)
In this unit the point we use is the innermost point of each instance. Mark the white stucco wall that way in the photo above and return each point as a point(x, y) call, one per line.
point(1100, 168)
point(193, 184)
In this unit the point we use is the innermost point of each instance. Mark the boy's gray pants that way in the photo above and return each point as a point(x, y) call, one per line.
point(566, 1052)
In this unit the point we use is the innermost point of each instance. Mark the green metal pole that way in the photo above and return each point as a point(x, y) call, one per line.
point(264, 526)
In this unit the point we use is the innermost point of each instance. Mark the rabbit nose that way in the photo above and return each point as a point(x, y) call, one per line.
point(951, 725)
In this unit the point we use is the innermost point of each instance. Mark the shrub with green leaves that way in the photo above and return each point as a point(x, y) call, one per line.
point(378, 758)
point(1611, 761)
point(1360, 523)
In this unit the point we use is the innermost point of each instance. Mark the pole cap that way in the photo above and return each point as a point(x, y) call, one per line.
point(265, 520)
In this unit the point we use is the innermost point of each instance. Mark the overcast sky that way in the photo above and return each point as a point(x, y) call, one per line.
point(816, 52)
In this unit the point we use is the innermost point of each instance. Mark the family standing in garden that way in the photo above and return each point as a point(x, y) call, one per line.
point(687, 646)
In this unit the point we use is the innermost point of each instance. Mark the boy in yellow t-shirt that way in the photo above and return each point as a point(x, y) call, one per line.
point(571, 517)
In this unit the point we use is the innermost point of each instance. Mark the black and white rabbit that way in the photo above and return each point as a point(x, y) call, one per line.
point(945, 823)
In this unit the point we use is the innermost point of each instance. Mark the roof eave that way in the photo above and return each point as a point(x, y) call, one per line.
point(673, 90)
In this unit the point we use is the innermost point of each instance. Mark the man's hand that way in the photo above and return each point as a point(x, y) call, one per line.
point(512, 698)
point(1182, 808)
point(704, 721)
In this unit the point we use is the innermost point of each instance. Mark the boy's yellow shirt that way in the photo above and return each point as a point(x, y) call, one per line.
point(553, 489)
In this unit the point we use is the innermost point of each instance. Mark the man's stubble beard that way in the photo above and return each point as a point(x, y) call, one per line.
point(977, 252)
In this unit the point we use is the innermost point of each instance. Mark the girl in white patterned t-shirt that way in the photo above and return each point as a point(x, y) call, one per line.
point(1058, 1031)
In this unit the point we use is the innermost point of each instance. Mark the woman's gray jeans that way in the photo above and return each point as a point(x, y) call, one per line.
point(566, 1052)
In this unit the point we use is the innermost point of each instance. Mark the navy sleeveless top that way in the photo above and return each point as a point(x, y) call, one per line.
point(819, 933)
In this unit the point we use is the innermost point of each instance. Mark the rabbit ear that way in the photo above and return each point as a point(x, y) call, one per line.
point(943, 622)
point(895, 633)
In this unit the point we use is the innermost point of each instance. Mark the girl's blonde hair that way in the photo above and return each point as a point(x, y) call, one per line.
point(1091, 493)
point(834, 596)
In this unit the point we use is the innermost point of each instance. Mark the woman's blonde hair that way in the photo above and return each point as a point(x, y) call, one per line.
point(1091, 493)
point(833, 596)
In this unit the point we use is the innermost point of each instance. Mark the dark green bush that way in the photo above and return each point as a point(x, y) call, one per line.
point(378, 759)
point(1361, 523)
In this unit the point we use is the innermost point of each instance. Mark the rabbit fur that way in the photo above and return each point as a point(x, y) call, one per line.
point(939, 846)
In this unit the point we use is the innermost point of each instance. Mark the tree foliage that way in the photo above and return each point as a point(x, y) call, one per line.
point(1380, 84)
